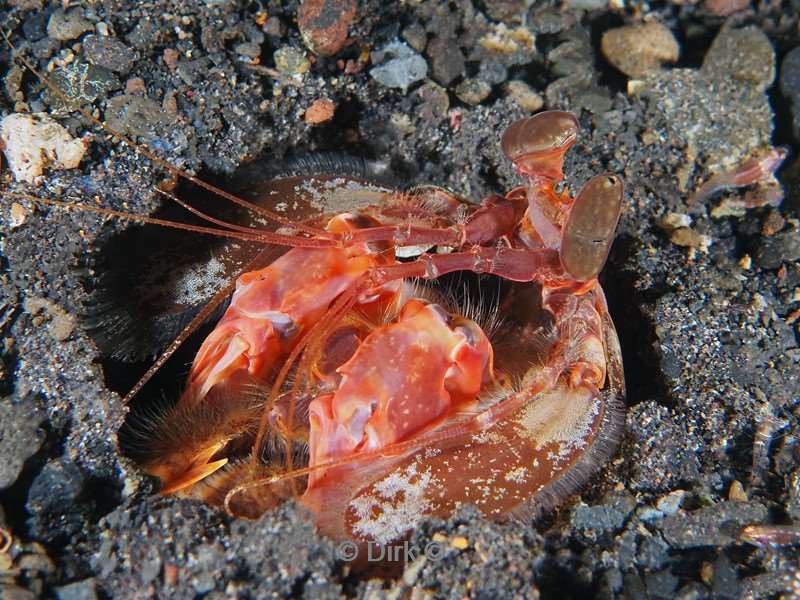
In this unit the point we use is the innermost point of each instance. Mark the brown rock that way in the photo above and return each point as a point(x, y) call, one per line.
point(135, 85)
point(524, 95)
point(320, 111)
point(323, 24)
point(724, 8)
point(171, 57)
point(637, 49)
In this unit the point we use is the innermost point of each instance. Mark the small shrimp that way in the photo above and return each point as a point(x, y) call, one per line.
point(771, 535)
point(759, 169)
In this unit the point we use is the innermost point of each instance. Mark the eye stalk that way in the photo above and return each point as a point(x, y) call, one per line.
point(537, 144)
point(589, 230)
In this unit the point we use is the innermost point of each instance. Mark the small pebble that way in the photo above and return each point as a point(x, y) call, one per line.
point(460, 543)
point(171, 57)
point(135, 85)
point(746, 262)
point(775, 250)
point(249, 50)
point(67, 25)
point(324, 23)
point(320, 111)
point(773, 223)
point(80, 590)
point(434, 102)
point(506, 10)
point(404, 67)
point(672, 221)
point(638, 49)
point(61, 325)
point(473, 91)
point(724, 8)
point(33, 142)
point(447, 62)
point(744, 54)
point(135, 115)
point(503, 40)
point(291, 61)
point(736, 492)
point(19, 215)
point(689, 238)
point(416, 37)
point(524, 95)
point(109, 53)
point(586, 4)
point(670, 503)
point(492, 72)
point(707, 573)
point(790, 86)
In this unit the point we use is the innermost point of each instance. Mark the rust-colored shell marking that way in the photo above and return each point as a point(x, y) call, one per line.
point(590, 226)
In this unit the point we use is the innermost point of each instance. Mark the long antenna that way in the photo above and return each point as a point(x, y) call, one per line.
point(143, 149)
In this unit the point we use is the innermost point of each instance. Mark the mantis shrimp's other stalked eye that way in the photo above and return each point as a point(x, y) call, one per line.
point(537, 145)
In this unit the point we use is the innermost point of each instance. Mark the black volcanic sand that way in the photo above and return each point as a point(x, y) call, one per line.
point(709, 341)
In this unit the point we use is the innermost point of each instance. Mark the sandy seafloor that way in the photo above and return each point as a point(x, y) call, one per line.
point(707, 331)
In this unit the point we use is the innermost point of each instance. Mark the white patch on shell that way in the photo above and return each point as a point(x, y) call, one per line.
point(560, 417)
point(399, 502)
point(194, 284)
point(518, 475)
point(326, 194)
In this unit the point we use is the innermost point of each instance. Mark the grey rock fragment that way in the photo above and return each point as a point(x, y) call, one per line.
point(67, 25)
point(775, 250)
point(695, 109)
point(598, 518)
point(586, 4)
point(492, 72)
point(433, 101)
point(403, 68)
point(743, 54)
point(134, 115)
point(57, 510)
point(667, 454)
point(725, 584)
point(81, 83)
point(251, 50)
point(790, 86)
point(80, 590)
point(416, 36)
point(670, 503)
point(109, 53)
point(291, 61)
point(473, 91)
point(21, 436)
point(447, 62)
point(15, 592)
point(577, 86)
point(717, 525)
point(507, 10)
point(661, 585)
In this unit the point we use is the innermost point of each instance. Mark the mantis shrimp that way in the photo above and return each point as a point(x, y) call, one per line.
point(335, 377)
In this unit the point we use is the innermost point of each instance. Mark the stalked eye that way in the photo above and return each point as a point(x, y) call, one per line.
point(537, 144)
point(590, 226)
